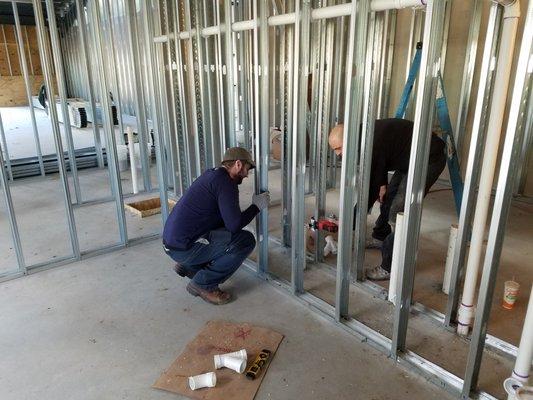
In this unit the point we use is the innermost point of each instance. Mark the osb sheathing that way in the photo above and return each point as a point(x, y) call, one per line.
point(12, 87)
point(13, 90)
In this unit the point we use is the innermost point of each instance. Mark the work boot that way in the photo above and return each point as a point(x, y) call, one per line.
point(215, 296)
point(377, 274)
point(183, 272)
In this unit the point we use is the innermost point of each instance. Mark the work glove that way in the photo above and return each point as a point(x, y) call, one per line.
point(261, 200)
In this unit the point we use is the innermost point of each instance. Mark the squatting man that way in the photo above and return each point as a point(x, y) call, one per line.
point(204, 233)
point(391, 152)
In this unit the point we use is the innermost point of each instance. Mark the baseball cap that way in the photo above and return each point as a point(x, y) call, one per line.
point(238, 153)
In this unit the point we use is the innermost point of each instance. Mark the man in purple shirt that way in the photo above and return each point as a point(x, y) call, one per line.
point(204, 232)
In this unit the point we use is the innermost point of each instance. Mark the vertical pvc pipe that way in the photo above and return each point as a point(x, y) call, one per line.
point(503, 74)
point(133, 160)
point(60, 78)
point(28, 88)
point(449, 259)
point(522, 366)
point(46, 64)
point(3, 143)
point(80, 10)
point(399, 242)
point(10, 209)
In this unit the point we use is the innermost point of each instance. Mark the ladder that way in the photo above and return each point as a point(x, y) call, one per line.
point(443, 116)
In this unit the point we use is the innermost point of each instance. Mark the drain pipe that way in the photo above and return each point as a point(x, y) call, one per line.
point(399, 243)
point(525, 349)
point(501, 85)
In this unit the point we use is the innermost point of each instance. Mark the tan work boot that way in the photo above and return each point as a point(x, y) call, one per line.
point(216, 296)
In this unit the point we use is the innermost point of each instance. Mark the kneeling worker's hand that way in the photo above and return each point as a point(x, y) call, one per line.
point(261, 200)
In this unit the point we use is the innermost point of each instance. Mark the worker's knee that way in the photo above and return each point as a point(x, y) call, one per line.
point(244, 240)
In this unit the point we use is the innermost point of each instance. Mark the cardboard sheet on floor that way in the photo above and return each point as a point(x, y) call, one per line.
point(218, 337)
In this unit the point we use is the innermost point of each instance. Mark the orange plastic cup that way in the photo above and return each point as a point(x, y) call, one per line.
point(510, 293)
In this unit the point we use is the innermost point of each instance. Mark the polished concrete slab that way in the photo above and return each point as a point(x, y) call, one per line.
point(106, 327)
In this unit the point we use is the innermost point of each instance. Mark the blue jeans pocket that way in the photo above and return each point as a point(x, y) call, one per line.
point(220, 237)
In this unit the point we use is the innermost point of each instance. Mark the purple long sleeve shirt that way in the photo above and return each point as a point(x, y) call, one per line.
point(210, 203)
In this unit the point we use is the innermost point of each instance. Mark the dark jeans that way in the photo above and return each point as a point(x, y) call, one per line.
point(394, 203)
point(216, 261)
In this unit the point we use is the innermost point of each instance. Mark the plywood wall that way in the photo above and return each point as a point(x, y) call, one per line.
point(453, 73)
point(12, 89)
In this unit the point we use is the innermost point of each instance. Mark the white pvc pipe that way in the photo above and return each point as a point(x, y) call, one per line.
point(331, 246)
point(399, 242)
point(161, 39)
point(238, 354)
point(501, 85)
point(212, 30)
point(244, 25)
point(522, 365)
point(282, 19)
point(340, 10)
point(201, 381)
point(133, 162)
point(237, 364)
point(449, 259)
point(382, 5)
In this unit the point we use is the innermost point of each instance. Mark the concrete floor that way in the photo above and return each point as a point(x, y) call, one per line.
point(19, 133)
point(105, 328)
point(41, 217)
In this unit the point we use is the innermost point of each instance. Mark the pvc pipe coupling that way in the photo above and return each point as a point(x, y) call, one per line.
point(203, 380)
point(465, 315)
point(235, 361)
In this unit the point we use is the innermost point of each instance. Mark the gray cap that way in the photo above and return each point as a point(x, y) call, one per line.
point(238, 153)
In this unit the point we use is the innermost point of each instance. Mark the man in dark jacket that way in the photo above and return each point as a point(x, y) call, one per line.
point(204, 233)
point(391, 151)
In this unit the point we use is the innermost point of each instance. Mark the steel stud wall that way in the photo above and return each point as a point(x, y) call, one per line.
point(199, 76)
